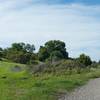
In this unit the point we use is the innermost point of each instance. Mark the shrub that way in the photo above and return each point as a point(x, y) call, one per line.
point(86, 60)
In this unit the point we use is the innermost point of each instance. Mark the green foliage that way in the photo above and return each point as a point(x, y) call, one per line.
point(52, 48)
point(55, 56)
point(23, 47)
point(20, 53)
point(1, 53)
point(86, 60)
point(29, 48)
point(58, 67)
point(25, 86)
point(52, 51)
point(56, 45)
point(43, 53)
point(42, 80)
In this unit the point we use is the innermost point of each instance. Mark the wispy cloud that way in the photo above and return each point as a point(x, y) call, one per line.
point(76, 24)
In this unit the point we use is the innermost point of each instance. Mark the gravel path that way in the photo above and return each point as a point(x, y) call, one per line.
point(91, 91)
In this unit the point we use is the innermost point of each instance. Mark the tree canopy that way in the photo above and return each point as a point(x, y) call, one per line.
point(84, 59)
point(53, 48)
point(20, 52)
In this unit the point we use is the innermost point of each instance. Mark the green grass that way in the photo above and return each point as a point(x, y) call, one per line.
point(24, 86)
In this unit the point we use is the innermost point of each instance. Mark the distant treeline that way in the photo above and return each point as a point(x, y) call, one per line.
point(52, 51)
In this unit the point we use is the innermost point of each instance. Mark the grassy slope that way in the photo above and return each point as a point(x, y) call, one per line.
point(23, 86)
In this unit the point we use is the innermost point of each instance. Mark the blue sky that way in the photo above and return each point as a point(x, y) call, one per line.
point(89, 2)
point(76, 22)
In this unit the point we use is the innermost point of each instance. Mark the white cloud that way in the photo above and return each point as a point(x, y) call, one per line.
point(77, 25)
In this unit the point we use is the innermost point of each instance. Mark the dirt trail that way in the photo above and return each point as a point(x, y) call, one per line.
point(91, 91)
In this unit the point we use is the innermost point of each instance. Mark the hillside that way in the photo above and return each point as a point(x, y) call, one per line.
point(17, 83)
